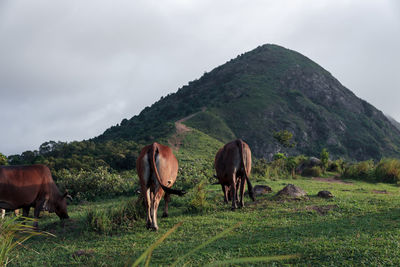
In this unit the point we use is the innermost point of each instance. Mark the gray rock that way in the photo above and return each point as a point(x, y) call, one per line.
point(292, 191)
point(325, 194)
point(308, 164)
point(261, 190)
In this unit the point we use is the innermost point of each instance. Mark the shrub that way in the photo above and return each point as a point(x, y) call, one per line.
point(324, 156)
point(278, 156)
point(363, 170)
point(336, 166)
point(388, 170)
point(3, 159)
point(313, 171)
point(260, 168)
point(89, 185)
point(280, 167)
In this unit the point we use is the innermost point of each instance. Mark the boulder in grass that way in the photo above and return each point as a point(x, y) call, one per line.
point(292, 191)
point(261, 190)
point(325, 194)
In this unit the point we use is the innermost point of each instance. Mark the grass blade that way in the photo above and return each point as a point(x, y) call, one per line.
point(202, 245)
point(155, 244)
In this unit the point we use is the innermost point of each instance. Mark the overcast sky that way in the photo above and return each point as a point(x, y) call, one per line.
point(71, 69)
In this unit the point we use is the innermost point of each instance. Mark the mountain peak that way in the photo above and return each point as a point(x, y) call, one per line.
point(269, 89)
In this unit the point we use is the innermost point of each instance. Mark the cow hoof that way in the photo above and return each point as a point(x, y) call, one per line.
point(154, 228)
point(165, 215)
point(233, 208)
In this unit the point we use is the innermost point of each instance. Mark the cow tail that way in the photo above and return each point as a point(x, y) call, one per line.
point(168, 190)
point(249, 185)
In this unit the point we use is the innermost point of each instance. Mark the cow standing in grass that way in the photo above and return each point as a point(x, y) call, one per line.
point(157, 168)
point(233, 167)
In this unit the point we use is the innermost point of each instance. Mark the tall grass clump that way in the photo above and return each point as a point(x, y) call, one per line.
point(13, 232)
point(197, 200)
point(363, 170)
point(113, 219)
point(388, 170)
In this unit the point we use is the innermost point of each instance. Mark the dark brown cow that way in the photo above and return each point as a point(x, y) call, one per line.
point(157, 168)
point(233, 167)
point(31, 186)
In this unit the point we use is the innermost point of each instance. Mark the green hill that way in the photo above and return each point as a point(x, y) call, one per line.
point(263, 91)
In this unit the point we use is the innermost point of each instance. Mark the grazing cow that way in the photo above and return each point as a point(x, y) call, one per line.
point(31, 186)
point(233, 166)
point(157, 168)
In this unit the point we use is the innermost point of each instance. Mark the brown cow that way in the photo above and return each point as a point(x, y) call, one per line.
point(31, 186)
point(233, 166)
point(157, 168)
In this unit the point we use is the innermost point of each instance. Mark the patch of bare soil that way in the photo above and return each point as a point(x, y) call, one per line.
point(176, 139)
point(332, 179)
point(321, 210)
point(380, 192)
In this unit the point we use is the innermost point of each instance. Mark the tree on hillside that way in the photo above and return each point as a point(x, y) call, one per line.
point(284, 137)
point(324, 156)
point(3, 159)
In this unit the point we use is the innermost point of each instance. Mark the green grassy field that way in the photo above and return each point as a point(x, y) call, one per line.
point(359, 226)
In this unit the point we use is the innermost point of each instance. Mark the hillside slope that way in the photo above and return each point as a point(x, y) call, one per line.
point(265, 90)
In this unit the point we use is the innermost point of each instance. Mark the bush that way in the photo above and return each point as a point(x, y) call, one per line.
point(278, 156)
point(280, 167)
point(363, 170)
point(324, 156)
point(90, 185)
point(336, 166)
point(260, 168)
point(312, 172)
point(388, 170)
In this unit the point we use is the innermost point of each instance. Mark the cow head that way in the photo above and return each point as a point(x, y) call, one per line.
point(60, 206)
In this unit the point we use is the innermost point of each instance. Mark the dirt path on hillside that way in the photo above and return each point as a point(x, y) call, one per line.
point(176, 139)
point(332, 179)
